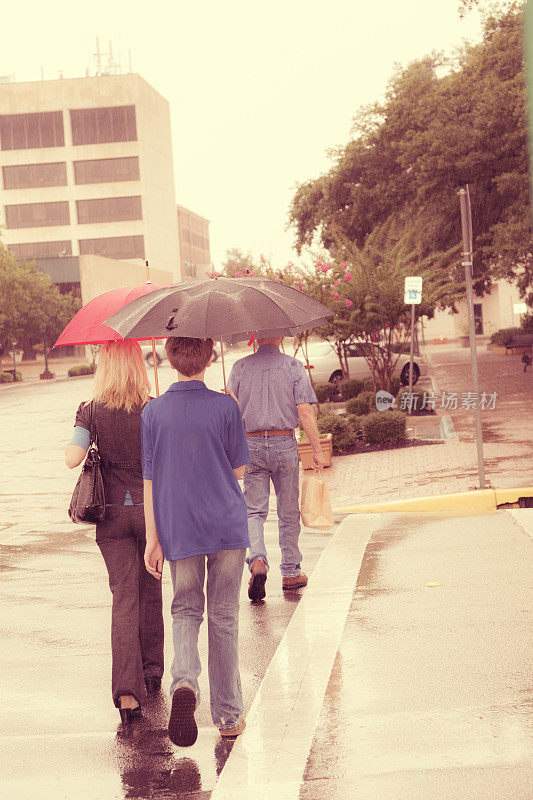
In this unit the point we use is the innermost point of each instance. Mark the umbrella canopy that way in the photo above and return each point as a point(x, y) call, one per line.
point(88, 325)
point(225, 309)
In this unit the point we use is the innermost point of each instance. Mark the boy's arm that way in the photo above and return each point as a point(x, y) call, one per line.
point(153, 554)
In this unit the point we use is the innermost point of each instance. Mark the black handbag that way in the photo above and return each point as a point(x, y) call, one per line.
point(88, 498)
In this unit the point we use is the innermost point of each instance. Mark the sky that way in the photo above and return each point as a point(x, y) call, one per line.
point(259, 92)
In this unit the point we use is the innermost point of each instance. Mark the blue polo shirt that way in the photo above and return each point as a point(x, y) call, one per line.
point(192, 439)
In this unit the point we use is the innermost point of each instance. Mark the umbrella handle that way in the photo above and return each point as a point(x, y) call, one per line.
point(223, 365)
point(156, 378)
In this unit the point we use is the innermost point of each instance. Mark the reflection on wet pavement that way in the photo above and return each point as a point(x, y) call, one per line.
point(151, 767)
point(428, 694)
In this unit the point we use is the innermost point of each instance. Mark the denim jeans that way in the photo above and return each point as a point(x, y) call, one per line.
point(224, 577)
point(274, 457)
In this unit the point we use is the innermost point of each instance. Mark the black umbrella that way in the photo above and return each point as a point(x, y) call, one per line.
point(225, 309)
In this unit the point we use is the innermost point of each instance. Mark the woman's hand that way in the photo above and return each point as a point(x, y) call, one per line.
point(154, 558)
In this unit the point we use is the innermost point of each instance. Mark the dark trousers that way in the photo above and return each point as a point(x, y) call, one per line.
point(137, 612)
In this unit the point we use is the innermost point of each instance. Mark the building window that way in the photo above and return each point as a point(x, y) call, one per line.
point(190, 269)
point(31, 250)
point(37, 215)
point(109, 209)
point(25, 131)
point(114, 246)
point(97, 125)
point(29, 176)
point(106, 170)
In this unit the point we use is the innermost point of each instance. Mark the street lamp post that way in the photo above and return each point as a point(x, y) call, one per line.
point(46, 375)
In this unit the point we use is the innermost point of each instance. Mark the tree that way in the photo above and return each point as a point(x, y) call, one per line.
point(28, 302)
point(238, 264)
point(372, 293)
point(433, 134)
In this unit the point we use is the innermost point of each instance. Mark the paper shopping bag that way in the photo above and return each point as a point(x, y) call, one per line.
point(316, 506)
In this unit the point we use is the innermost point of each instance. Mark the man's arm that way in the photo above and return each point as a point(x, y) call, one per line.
point(153, 554)
point(239, 472)
point(308, 420)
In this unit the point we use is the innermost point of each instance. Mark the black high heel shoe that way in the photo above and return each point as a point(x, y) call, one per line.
point(153, 685)
point(129, 715)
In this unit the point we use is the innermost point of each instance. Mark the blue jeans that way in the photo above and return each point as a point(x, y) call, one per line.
point(274, 457)
point(224, 577)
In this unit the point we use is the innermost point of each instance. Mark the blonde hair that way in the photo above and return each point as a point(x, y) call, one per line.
point(120, 380)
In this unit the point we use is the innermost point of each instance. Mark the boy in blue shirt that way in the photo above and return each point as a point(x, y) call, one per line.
point(194, 451)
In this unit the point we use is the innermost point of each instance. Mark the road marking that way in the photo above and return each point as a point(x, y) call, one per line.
point(268, 760)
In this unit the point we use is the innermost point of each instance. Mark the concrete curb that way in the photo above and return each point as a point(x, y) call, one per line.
point(447, 429)
point(480, 500)
point(38, 381)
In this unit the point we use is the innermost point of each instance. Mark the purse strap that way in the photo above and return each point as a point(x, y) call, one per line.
point(94, 435)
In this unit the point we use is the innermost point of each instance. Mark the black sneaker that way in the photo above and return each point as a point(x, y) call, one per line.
point(182, 728)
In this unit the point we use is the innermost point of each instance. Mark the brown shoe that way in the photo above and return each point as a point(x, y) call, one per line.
point(256, 587)
point(236, 730)
point(295, 581)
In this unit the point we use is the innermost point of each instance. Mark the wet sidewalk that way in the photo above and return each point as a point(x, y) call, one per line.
point(427, 694)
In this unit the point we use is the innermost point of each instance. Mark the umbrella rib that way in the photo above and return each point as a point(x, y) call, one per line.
point(277, 305)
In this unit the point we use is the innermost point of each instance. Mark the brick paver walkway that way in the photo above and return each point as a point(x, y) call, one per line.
point(451, 465)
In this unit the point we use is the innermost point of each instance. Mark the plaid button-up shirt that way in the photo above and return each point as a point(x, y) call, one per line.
point(269, 386)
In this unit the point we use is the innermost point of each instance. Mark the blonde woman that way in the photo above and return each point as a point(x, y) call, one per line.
point(121, 390)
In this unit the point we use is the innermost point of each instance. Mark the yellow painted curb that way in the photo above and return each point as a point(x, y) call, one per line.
point(481, 500)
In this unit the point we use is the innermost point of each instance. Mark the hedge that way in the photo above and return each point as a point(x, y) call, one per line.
point(82, 369)
point(356, 423)
point(325, 392)
point(7, 377)
point(384, 426)
point(504, 335)
point(340, 427)
point(350, 387)
point(364, 403)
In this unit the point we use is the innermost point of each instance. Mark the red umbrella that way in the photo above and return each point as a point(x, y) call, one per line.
point(88, 326)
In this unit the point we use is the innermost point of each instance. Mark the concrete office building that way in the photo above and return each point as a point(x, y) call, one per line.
point(195, 256)
point(86, 168)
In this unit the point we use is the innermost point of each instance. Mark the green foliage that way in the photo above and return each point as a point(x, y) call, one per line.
point(7, 377)
point(238, 265)
point(325, 392)
point(356, 423)
point(350, 387)
point(527, 324)
point(368, 385)
point(384, 427)
point(340, 427)
point(444, 123)
point(504, 335)
point(82, 369)
point(28, 302)
point(364, 403)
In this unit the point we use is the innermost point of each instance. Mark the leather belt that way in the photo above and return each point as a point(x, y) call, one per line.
point(270, 433)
